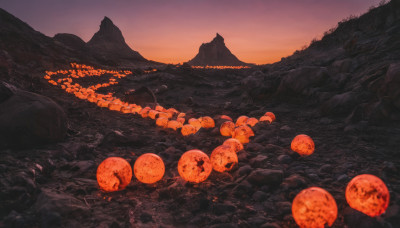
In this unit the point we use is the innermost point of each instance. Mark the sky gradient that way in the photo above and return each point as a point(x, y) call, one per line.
point(171, 31)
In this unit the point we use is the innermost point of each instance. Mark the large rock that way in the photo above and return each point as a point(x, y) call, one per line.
point(302, 81)
point(391, 84)
point(28, 119)
point(269, 177)
point(215, 53)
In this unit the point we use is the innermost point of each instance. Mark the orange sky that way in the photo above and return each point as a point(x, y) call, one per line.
point(256, 31)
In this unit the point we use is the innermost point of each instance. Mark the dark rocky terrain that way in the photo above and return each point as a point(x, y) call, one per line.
point(215, 53)
point(343, 91)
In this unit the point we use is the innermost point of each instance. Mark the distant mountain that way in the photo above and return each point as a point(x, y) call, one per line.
point(109, 41)
point(215, 53)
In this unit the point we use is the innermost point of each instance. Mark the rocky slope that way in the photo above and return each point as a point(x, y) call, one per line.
point(215, 53)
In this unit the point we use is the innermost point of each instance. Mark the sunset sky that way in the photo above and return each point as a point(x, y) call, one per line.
point(171, 31)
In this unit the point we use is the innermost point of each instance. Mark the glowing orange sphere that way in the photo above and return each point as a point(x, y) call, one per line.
point(114, 174)
point(227, 128)
point(165, 115)
point(251, 121)
point(271, 115)
point(223, 158)
point(149, 168)
point(234, 144)
point(194, 166)
point(181, 120)
point(241, 120)
point(195, 123)
point(145, 112)
point(181, 115)
point(303, 145)
point(225, 117)
point(243, 134)
point(173, 124)
point(207, 122)
point(188, 129)
point(314, 208)
point(162, 122)
point(153, 114)
point(368, 194)
point(265, 119)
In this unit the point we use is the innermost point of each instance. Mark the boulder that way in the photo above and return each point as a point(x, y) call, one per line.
point(28, 119)
point(391, 84)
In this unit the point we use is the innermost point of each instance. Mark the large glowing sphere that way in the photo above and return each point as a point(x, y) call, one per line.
point(207, 122)
point(173, 124)
point(223, 158)
point(368, 194)
point(251, 121)
point(271, 115)
point(314, 208)
point(265, 119)
point(195, 123)
point(194, 166)
point(149, 168)
point(114, 174)
point(227, 128)
point(303, 145)
point(243, 134)
point(234, 144)
point(241, 120)
point(188, 129)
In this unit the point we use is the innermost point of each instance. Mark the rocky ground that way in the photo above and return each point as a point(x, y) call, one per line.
point(54, 185)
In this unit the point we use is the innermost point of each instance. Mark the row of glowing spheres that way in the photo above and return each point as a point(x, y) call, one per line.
point(115, 173)
point(221, 67)
point(312, 207)
point(166, 118)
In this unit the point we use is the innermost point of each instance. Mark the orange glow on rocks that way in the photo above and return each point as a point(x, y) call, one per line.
point(314, 208)
point(303, 145)
point(251, 121)
point(368, 194)
point(265, 119)
point(114, 174)
point(270, 114)
point(223, 158)
point(195, 123)
point(188, 129)
point(194, 166)
point(227, 128)
point(241, 120)
point(149, 168)
point(173, 124)
point(243, 134)
point(207, 122)
point(162, 122)
point(234, 144)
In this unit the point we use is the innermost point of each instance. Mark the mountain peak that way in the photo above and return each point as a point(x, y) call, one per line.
point(215, 53)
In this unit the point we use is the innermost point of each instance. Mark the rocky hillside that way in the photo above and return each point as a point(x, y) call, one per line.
point(215, 53)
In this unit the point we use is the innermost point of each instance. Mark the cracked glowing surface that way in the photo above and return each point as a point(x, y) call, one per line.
point(114, 174)
point(223, 158)
point(194, 166)
point(303, 145)
point(149, 168)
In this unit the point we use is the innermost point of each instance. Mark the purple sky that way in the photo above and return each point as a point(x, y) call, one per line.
point(171, 31)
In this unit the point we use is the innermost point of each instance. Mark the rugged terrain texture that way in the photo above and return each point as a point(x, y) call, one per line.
point(343, 91)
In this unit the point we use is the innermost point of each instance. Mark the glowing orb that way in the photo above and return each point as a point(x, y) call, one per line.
point(145, 112)
point(207, 122)
point(251, 121)
point(368, 194)
point(241, 120)
point(149, 168)
point(265, 119)
point(271, 115)
point(152, 114)
point(234, 144)
point(195, 123)
point(303, 145)
point(227, 128)
point(114, 174)
point(188, 129)
point(314, 207)
point(223, 158)
point(173, 124)
point(162, 122)
point(243, 134)
point(194, 166)
point(181, 120)
point(225, 117)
